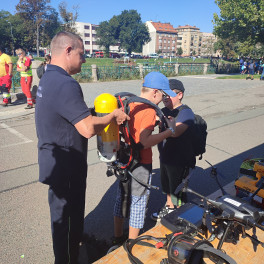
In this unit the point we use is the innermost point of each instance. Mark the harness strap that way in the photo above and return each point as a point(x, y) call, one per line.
point(149, 186)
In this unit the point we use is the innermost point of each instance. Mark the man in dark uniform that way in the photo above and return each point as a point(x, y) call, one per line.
point(64, 123)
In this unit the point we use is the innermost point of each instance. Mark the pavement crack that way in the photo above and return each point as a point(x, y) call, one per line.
point(18, 168)
point(232, 155)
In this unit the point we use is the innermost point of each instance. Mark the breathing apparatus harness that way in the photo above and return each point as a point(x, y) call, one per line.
point(129, 152)
point(128, 156)
point(182, 247)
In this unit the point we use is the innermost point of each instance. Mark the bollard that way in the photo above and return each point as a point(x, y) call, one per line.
point(141, 71)
point(94, 73)
point(35, 78)
point(205, 68)
point(177, 68)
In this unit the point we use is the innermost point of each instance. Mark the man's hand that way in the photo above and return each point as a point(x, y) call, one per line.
point(120, 116)
point(171, 122)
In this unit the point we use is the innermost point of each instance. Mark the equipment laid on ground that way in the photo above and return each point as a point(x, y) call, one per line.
point(250, 178)
point(107, 139)
point(183, 246)
point(225, 217)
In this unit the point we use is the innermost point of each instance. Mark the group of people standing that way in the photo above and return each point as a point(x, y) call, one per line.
point(252, 67)
point(64, 123)
point(24, 66)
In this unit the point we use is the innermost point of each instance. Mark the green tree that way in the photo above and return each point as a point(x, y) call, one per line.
point(12, 31)
point(133, 33)
point(68, 17)
point(241, 20)
point(5, 29)
point(35, 15)
point(179, 51)
point(227, 46)
point(50, 28)
point(107, 34)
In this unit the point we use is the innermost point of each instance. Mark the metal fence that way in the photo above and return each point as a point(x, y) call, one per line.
point(15, 80)
point(167, 70)
point(85, 75)
point(107, 73)
point(191, 69)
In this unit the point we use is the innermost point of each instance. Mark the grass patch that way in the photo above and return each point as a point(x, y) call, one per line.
point(111, 62)
point(239, 77)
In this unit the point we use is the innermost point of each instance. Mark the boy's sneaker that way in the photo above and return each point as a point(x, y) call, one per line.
point(161, 213)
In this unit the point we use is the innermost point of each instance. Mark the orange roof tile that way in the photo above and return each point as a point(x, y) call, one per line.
point(164, 27)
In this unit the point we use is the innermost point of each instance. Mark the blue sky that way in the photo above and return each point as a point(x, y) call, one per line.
point(197, 13)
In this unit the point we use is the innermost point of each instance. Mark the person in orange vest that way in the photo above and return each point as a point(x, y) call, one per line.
point(24, 66)
point(6, 68)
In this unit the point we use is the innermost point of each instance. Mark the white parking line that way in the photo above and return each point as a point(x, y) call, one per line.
point(16, 133)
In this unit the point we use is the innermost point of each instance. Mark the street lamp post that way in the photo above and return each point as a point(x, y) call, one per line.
point(12, 38)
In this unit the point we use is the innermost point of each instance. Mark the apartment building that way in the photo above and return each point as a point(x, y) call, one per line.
point(194, 42)
point(207, 44)
point(163, 39)
point(87, 32)
point(189, 40)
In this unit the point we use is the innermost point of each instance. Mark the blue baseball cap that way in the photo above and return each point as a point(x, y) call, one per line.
point(157, 80)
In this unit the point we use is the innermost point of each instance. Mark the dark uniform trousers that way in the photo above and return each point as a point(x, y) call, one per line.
point(67, 218)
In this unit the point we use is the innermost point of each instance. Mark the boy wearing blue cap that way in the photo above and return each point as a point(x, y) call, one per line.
point(141, 124)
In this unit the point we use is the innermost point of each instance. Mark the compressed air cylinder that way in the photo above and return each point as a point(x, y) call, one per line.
point(107, 139)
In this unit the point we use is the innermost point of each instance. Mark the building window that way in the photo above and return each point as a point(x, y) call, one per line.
point(94, 28)
point(160, 40)
point(94, 35)
point(165, 40)
point(87, 42)
point(86, 34)
point(160, 47)
point(173, 48)
point(94, 43)
point(86, 27)
point(173, 41)
point(168, 41)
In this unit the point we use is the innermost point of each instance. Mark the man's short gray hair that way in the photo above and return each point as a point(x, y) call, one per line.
point(63, 39)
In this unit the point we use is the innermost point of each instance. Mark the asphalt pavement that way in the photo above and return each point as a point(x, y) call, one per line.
point(233, 109)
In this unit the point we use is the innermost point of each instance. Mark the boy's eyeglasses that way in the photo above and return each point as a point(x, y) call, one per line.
point(164, 95)
point(18, 54)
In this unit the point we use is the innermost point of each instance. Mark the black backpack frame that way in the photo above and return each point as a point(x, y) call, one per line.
point(199, 133)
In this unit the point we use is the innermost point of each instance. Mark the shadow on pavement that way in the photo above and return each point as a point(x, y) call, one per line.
point(100, 220)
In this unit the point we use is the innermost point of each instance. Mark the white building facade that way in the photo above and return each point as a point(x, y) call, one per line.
point(163, 39)
point(87, 32)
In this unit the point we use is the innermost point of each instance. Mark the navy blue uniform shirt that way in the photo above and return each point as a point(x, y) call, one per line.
point(178, 151)
point(62, 151)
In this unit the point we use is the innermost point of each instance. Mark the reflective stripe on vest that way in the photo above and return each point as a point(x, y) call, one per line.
point(28, 72)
